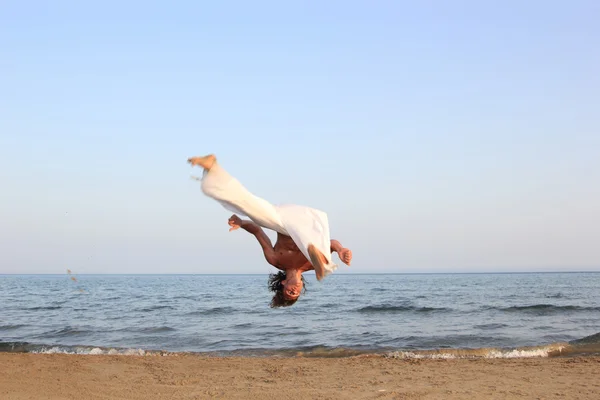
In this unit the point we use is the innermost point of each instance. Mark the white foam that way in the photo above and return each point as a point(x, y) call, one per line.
point(413, 356)
point(516, 353)
point(492, 353)
point(90, 351)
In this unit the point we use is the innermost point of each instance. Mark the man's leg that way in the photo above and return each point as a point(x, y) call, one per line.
point(318, 261)
point(219, 185)
point(309, 229)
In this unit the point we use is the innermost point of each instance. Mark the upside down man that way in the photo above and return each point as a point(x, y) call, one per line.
point(303, 241)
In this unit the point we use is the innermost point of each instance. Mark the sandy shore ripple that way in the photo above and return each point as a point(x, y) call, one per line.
point(60, 376)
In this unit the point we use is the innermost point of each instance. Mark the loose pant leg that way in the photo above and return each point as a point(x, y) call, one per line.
point(305, 225)
point(219, 185)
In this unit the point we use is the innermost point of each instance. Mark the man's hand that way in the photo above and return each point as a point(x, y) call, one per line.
point(234, 222)
point(345, 255)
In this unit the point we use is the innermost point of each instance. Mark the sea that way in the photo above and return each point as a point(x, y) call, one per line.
point(487, 315)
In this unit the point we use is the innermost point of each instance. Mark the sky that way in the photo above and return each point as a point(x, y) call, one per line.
point(438, 136)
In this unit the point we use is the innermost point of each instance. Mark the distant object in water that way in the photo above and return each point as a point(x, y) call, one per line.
point(74, 279)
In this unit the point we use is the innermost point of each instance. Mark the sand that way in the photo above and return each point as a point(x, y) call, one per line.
point(59, 376)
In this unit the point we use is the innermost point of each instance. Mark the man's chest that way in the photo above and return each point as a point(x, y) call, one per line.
point(288, 254)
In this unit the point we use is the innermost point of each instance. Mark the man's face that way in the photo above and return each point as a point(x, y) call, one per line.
point(291, 291)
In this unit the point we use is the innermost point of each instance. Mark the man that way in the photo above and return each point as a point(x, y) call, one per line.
point(305, 227)
point(286, 256)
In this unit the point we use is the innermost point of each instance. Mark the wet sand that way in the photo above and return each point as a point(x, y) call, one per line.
point(59, 376)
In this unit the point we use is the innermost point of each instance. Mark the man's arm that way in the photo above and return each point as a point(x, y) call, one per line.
point(261, 236)
point(344, 253)
point(336, 246)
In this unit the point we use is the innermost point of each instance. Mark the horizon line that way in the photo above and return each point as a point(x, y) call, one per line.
point(340, 273)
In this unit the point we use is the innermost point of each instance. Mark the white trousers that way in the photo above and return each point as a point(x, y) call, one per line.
point(304, 225)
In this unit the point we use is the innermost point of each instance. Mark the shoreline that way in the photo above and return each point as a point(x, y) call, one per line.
point(187, 376)
point(586, 347)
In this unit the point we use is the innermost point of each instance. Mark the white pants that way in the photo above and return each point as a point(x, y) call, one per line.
point(304, 225)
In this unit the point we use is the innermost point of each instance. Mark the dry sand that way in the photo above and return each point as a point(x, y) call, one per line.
point(58, 376)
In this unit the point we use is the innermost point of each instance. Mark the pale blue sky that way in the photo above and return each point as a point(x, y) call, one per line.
point(437, 135)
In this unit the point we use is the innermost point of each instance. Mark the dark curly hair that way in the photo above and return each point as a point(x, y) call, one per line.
point(275, 286)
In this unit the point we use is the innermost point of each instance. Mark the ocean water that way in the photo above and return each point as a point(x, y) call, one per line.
point(401, 315)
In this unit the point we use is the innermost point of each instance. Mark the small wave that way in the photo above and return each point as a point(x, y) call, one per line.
point(592, 339)
point(525, 352)
point(213, 311)
point(331, 352)
point(589, 345)
point(392, 308)
point(490, 326)
point(43, 308)
point(183, 297)
point(13, 347)
point(156, 329)
point(545, 308)
point(542, 328)
point(92, 351)
point(10, 327)
point(244, 325)
point(68, 331)
point(154, 308)
point(300, 351)
point(25, 347)
point(329, 306)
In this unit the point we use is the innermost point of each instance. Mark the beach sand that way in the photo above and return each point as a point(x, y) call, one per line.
point(181, 376)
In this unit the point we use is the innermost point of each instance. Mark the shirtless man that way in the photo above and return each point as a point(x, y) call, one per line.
point(286, 256)
point(303, 241)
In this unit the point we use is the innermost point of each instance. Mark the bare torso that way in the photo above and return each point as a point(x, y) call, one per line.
point(289, 255)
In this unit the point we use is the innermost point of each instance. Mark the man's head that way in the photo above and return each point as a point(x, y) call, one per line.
point(286, 290)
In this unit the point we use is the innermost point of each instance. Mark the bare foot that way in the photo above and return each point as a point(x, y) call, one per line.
point(318, 261)
point(205, 162)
